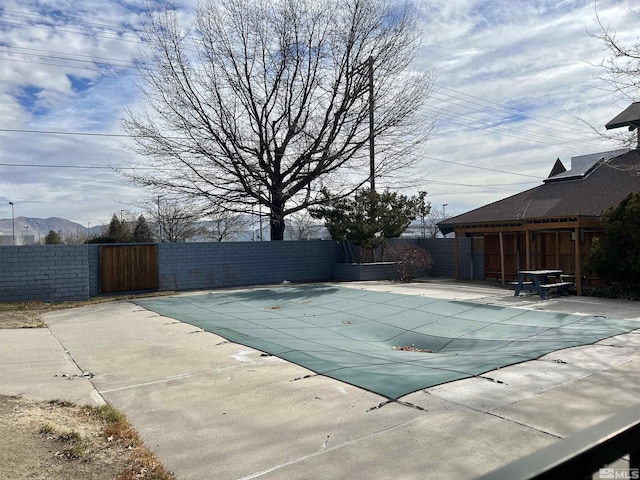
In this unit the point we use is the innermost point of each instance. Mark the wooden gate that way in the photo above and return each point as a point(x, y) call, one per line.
point(125, 268)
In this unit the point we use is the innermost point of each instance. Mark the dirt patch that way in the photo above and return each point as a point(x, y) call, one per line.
point(28, 314)
point(60, 441)
point(25, 317)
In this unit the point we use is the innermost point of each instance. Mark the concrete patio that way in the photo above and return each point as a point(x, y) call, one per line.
point(213, 409)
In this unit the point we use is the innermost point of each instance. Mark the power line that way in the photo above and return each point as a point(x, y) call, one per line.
point(71, 29)
point(94, 134)
point(547, 138)
point(92, 167)
point(490, 187)
point(503, 119)
point(74, 67)
point(501, 132)
point(104, 167)
point(559, 142)
point(68, 56)
point(481, 105)
point(481, 168)
point(71, 17)
point(484, 104)
point(498, 106)
point(82, 134)
point(59, 132)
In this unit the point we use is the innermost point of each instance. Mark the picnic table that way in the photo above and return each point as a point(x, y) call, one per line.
point(541, 282)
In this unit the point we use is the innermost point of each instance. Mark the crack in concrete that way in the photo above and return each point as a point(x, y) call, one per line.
point(274, 468)
point(305, 376)
point(522, 424)
point(346, 414)
point(95, 394)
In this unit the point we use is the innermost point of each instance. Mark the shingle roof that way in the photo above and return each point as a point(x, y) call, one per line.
point(629, 117)
point(604, 186)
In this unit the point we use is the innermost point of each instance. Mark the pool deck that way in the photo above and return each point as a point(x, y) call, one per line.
point(211, 409)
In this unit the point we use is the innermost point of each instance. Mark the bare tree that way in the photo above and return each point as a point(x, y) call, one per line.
point(622, 67)
point(303, 226)
point(267, 103)
point(225, 225)
point(424, 209)
point(173, 219)
point(621, 71)
point(431, 219)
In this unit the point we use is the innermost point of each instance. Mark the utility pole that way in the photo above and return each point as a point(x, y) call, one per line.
point(13, 224)
point(159, 222)
point(372, 165)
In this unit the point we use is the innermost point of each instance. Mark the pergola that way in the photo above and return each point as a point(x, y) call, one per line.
point(553, 225)
point(576, 226)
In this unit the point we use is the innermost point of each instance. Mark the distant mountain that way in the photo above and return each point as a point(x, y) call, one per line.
point(32, 229)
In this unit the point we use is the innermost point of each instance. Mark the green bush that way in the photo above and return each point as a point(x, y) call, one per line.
point(616, 290)
point(369, 218)
point(53, 238)
point(615, 255)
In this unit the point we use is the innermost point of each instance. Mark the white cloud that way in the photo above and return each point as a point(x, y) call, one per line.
point(513, 78)
point(534, 56)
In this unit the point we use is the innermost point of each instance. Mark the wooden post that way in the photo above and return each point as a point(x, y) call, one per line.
point(456, 250)
point(527, 241)
point(501, 258)
point(578, 269)
point(516, 248)
point(557, 250)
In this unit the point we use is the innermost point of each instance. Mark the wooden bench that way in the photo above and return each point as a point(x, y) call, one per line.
point(561, 286)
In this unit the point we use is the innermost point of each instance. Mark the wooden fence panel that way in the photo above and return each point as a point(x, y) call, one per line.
point(126, 268)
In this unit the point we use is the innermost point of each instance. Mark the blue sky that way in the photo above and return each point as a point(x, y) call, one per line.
point(515, 79)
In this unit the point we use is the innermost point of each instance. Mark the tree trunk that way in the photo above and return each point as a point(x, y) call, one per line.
point(276, 219)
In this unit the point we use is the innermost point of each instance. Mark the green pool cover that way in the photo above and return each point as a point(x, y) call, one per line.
point(386, 343)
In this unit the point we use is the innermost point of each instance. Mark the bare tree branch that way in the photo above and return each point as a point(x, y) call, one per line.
point(265, 103)
point(225, 225)
point(622, 67)
point(174, 219)
point(621, 72)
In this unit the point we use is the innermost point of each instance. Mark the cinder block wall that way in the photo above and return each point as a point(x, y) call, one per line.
point(50, 273)
point(93, 253)
point(189, 266)
point(56, 273)
point(443, 253)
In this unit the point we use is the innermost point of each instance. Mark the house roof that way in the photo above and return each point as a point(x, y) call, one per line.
point(629, 117)
point(605, 184)
point(558, 168)
point(583, 165)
